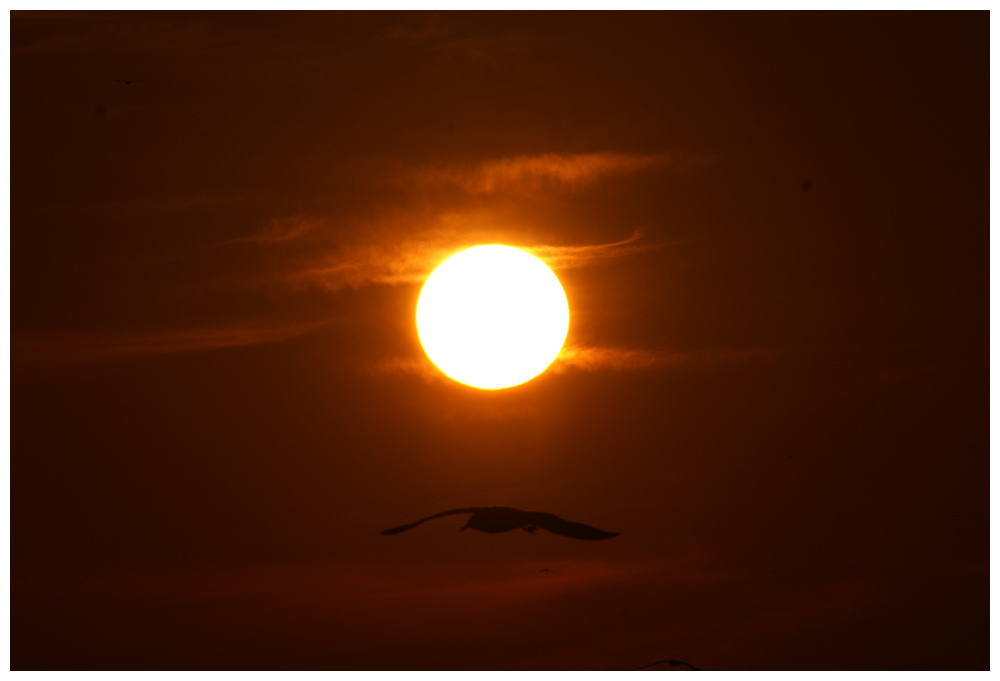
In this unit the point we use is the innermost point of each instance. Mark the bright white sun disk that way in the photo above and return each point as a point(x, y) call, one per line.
point(492, 316)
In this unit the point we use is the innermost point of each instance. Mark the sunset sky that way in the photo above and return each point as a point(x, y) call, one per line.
point(773, 234)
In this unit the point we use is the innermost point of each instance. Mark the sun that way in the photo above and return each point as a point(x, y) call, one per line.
point(492, 317)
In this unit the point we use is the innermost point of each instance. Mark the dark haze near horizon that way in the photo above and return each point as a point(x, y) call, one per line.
point(773, 232)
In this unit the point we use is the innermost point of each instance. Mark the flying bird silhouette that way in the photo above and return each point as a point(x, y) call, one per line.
point(495, 519)
point(128, 82)
point(672, 663)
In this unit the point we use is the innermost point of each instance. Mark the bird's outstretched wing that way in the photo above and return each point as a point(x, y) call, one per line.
point(556, 525)
point(672, 663)
point(404, 528)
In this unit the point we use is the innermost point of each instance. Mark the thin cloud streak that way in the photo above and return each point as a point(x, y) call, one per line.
point(592, 358)
point(526, 174)
point(411, 261)
point(417, 366)
point(58, 349)
point(563, 257)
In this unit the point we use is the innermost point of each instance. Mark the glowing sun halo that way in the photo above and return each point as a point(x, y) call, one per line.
point(492, 316)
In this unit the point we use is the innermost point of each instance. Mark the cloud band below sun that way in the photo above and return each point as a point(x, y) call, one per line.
point(595, 358)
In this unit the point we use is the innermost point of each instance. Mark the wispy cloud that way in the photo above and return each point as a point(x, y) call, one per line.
point(561, 257)
point(419, 365)
point(281, 229)
point(394, 256)
point(412, 261)
point(592, 358)
point(616, 359)
point(385, 259)
point(530, 173)
point(53, 348)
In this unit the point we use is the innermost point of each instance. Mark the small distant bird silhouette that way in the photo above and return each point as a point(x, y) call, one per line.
point(546, 570)
point(496, 519)
point(672, 663)
point(129, 82)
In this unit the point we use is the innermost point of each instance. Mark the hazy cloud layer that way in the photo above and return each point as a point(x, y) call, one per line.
point(402, 246)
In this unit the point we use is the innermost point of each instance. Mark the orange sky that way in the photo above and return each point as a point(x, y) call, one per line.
point(772, 230)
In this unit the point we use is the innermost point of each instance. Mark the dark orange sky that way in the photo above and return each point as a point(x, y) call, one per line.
point(772, 230)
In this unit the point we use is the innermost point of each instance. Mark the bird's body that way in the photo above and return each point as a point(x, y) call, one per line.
point(127, 82)
point(496, 519)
